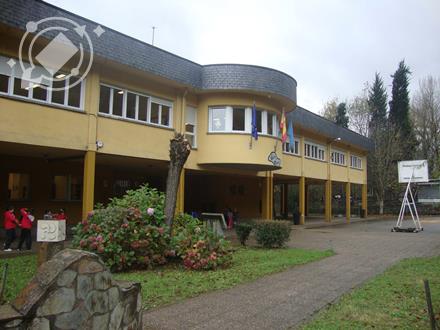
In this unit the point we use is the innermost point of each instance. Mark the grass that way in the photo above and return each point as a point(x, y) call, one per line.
point(172, 282)
point(20, 272)
point(393, 300)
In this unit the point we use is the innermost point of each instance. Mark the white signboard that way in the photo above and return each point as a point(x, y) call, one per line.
point(417, 169)
point(51, 230)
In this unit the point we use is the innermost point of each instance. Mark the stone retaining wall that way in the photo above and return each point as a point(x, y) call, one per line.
point(74, 290)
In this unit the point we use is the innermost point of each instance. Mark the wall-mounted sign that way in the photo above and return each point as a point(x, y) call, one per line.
point(274, 159)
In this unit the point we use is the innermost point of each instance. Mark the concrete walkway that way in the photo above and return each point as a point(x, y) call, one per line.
point(289, 298)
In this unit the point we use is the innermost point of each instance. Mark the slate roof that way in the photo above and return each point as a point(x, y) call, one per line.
point(318, 124)
point(139, 55)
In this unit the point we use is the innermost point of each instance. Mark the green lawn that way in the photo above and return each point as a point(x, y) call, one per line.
point(20, 271)
point(393, 300)
point(172, 282)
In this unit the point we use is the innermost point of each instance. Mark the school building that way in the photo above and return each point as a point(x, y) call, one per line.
point(83, 141)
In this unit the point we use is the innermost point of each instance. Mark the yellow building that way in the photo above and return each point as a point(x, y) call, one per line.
point(82, 141)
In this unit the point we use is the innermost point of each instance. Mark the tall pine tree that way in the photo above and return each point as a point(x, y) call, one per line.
point(377, 104)
point(399, 110)
point(341, 115)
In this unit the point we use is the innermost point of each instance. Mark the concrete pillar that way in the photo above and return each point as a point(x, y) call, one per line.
point(180, 204)
point(364, 199)
point(328, 200)
point(267, 196)
point(88, 182)
point(347, 201)
point(302, 200)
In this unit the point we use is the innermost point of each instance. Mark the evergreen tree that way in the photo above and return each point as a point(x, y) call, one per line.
point(377, 104)
point(399, 110)
point(341, 115)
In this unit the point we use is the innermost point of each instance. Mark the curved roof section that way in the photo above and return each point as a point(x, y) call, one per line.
point(248, 77)
point(115, 46)
point(321, 125)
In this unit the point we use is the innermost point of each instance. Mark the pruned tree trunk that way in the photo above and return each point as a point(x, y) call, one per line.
point(381, 207)
point(179, 152)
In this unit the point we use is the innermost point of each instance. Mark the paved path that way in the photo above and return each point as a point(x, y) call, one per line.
point(289, 298)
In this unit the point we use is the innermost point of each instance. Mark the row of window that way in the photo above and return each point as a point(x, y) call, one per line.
point(57, 92)
point(239, 119)
point(355, 162)
point(338, 158)
point(317, 151)
point(63, 187)
point(126, 104)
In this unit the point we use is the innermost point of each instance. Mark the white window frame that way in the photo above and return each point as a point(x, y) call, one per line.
point(314, 151)
point(193, 134)
point(296, 150)
point(151, 99)
point(356, 162)
point(48, 101)
point(338, 157)
point(248, 120)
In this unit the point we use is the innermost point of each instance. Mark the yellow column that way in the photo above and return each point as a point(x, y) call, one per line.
point(364, 199)
point(267, 196)
point(180, 205)
point(302, 200)
point(88, 182)
point(328, 200)
point(347, 201)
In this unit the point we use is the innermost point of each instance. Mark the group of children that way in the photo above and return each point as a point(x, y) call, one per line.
point(11, 222)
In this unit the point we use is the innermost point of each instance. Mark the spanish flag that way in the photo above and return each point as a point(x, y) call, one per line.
point(283, 127)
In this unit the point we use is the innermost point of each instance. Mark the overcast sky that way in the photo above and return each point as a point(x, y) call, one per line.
point(331, 47)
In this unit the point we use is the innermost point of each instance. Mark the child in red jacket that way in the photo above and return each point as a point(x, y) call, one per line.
point(26, 227)
point(10, 223)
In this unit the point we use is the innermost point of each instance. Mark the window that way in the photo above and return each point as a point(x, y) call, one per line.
point(238, 119)
point(118, 98)
point(131, 105)
point(314, 151)
point(143, 108)
point(104, 99)
point(338, 157)
point(66, 187)
point(218, 119)
point(41, 92)
point(191, 126)
point(134, 106)
point(4, 83)
point(356, 162)
point(294, 151)
point(18, 186)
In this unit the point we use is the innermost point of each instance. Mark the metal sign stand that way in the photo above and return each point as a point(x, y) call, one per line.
point(408, 201)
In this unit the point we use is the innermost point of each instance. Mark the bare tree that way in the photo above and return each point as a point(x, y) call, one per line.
point(382, 166)
point(180, 149)
point(359, 112)
point(426, 116)
point(330, 109)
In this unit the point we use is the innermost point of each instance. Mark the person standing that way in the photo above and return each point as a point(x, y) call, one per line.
point(26, 227)
point(10, 223)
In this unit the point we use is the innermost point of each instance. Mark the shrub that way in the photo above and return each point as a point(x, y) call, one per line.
point(271, 233)
point(199, 247)
point(243, 231)
point(145, 199)
point(123, 238)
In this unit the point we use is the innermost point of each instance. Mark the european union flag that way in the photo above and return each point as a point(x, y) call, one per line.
point(290, 133)
point(254, 132)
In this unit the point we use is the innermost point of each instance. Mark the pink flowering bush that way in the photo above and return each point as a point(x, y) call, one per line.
point(123, 239)
point(199, 247)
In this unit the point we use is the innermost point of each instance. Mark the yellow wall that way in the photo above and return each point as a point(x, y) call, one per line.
point(30, 123)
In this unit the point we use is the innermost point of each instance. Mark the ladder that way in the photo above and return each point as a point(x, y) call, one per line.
point(408, 202)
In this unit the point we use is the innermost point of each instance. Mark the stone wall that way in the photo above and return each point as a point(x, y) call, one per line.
point(74, 290)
